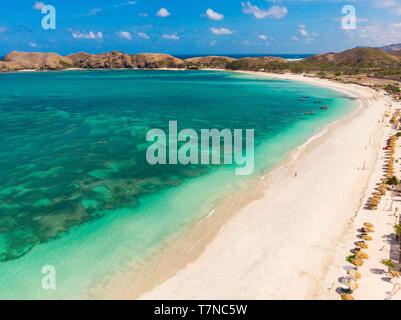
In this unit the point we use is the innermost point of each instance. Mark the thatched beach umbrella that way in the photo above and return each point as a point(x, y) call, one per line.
point(351, 284)
point(367, 237)
point(367, 230)
point(354, 273)
point(362, 244)
point(382, 190)
point(357, 262)
point(347, 297)
point(376, 198)
point(374, 202)
point(361, 255)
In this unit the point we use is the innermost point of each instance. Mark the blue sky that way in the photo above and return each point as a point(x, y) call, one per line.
point(198, 26)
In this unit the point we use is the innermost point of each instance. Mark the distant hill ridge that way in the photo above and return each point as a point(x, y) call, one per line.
point(393, 48)
point(357, 60)
point(364, 57)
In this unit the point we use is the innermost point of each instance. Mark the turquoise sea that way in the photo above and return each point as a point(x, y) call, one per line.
point(76, 191)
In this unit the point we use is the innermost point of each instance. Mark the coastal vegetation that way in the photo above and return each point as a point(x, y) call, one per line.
point(393, 181)
point(393, 90)
point(389, 264)
point(66, 65)
point(397, 229)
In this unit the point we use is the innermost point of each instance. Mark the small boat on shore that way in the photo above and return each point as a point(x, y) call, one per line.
point(324, 108)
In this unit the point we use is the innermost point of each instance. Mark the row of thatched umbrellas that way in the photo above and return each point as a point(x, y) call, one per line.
point(358, 256)
point(383, 185)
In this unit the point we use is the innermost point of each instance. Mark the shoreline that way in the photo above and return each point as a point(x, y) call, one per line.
point(375, 282)
point(178, 257)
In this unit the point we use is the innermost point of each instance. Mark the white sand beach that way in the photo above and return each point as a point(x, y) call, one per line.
point(291, 238)
point(283, 245)
point(375, 282)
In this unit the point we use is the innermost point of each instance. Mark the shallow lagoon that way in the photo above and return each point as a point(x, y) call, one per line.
point(76, 190)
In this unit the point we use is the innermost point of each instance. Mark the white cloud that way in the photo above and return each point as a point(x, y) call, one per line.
point(32, 44)
point(221, 31)
point(263, 37)
point(163, 13)
point(170, 37)
point(124, 35)
point(302, 30)
point(213, 15)
point(143, 14)
point(38, 5)
point(143, 35)
point(393, 5)
point(94, 12)
point(385, 3)
point(306, 35)
point(87, 35)
point(276, 11)
point(127, 3)
point(375, 34)
point(397, 11)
